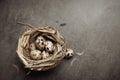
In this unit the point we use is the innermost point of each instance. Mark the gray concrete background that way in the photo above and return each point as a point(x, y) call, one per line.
point(92, 28)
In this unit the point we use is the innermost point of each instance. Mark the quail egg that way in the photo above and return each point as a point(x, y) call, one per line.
point(49, 47)
point(40, 42)
point(69, 53)
point(35, 54)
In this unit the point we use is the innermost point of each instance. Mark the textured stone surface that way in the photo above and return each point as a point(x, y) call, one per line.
point(91, 28)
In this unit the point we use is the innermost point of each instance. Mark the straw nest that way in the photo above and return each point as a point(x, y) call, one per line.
point(42, 48)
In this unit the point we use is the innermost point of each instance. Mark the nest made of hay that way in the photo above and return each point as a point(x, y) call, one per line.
point(41, 48)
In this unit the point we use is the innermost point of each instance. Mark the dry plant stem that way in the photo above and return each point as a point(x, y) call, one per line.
point(30, 26)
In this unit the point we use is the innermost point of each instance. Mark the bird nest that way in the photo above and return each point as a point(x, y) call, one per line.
point(42, 48)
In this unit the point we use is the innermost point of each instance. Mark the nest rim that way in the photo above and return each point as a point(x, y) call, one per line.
point(40, 65)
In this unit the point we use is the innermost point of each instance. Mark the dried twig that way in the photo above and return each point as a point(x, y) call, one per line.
point(73, 61)
point(30, 26)
point(16, 67)
point(28, 73)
